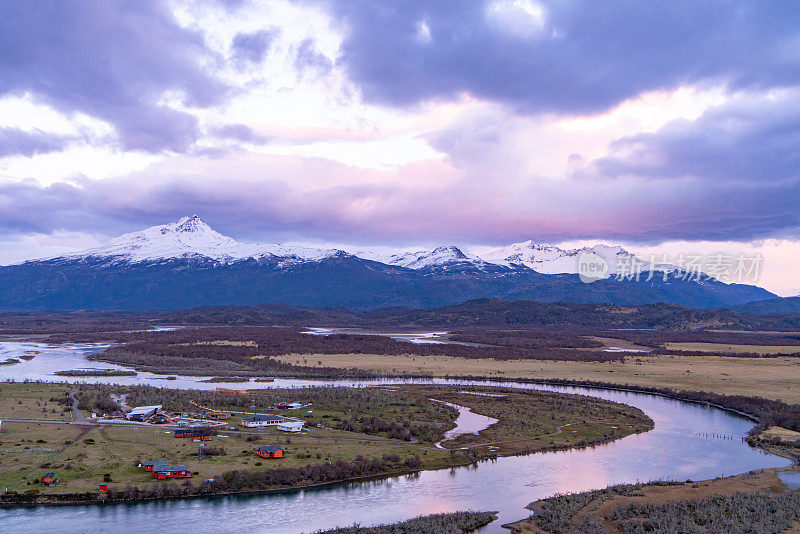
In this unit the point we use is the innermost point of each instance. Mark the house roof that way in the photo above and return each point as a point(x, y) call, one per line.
point(154, 462)
point(292, 423)
point(139, 410)
point(268, 448)
point(257, 418)
point(165, 467)
point(49, 475)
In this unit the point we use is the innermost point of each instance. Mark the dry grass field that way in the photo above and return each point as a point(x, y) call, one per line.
point(21, 401)
point(782, 433)
point(774, 378)
point(740, 349)
point(84, 455)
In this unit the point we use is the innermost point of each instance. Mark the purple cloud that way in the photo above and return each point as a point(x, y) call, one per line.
point(15, 142)
point(112, 60)
point(253, 46)
point(751, 142)
point(238, 132)
point(309, 58)
point(586, 56)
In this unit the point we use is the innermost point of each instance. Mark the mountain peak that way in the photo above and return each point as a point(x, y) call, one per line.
point(191, 224)
point(193, 237)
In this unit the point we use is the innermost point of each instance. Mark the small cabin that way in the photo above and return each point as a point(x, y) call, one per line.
point(201, 435)
point(48, 479)
point(103, 487)
point(163, 472)
point(149, 465)
point(291, 426)
point(183, 433)
point(218, 416)
point(269, 451)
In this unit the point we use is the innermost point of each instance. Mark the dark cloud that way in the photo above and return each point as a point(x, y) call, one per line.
point(585, 57)
point(238, 132)
point(754, 142)
point(254, 46)
point(15, 142)
point(112, 60)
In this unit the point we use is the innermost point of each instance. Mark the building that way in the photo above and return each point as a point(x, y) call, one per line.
point(183, 433)
point(291, 426)
point(218, 416)
point(141, 413)
point(48, 479)
point(102, 487)
point(289, 405)
point(164, 471)
point(148, 466)
point(201, 435)
point(262, 420)
point(269, 451)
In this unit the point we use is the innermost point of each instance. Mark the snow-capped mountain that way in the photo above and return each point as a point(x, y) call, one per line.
point(549, 259)
point(192, 237)
point(187, 263)
point(445, 257)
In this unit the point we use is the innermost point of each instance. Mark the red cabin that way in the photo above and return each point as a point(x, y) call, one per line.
point(201, 435)
point(269, 451)
point(163, 472)
point(48, 479)
point(103, 488)
point(183, 433)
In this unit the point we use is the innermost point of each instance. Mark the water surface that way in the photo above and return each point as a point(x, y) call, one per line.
point(689, 441)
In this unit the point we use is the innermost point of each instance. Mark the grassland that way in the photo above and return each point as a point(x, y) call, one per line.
point(773, 378)
point(740, 349)
point(27, 401)
point(88, 454)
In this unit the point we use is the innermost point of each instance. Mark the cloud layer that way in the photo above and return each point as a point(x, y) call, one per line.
point(566, 57)
point(116, 61)
point(405, 122)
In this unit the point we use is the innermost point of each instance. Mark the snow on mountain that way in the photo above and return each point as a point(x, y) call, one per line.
point(549, 259)
point(436, 258)
point(192, 237)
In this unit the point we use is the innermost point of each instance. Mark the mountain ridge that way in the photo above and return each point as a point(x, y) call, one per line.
point(191, 236)
point(186, 264)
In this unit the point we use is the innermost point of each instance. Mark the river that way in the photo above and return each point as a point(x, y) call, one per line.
point(689, 441)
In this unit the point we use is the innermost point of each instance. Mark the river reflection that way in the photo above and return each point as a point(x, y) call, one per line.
point(683, 445)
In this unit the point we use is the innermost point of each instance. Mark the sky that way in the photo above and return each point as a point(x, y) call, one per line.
point(666, 126)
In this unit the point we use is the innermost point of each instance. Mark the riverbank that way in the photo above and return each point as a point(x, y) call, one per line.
point(451, 523)
point(757, 501)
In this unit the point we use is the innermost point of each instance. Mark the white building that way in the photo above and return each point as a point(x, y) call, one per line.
point(291, 426)
point(140, 413)
point(262, 420)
